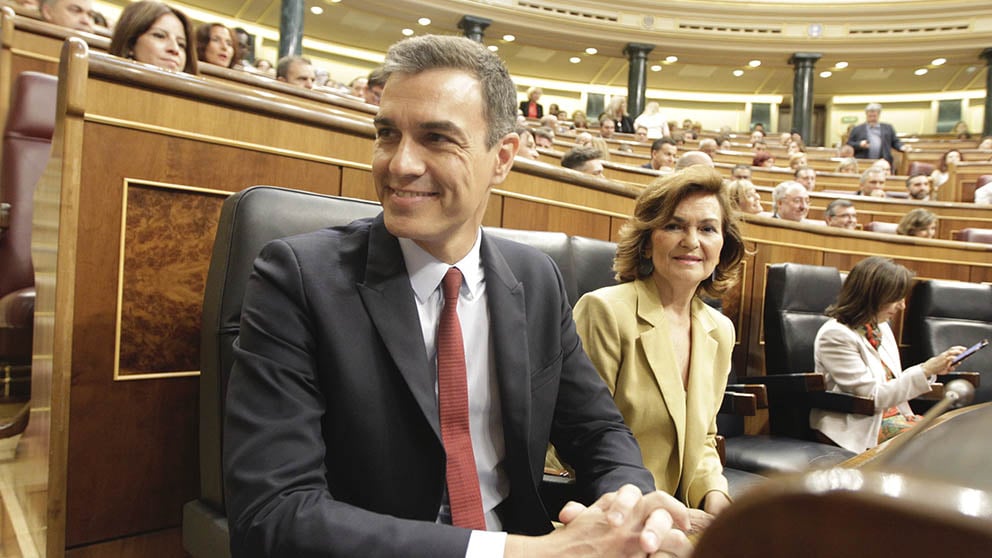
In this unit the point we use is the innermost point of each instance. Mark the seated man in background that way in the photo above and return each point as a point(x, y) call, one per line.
point(641, 134)
point(741, 172)
point(584, 159)
point(296, 70)
point(663, 152)
point(807, 177)
point(607, 127)
point(74, 14)
point(791, 201)
point(373, 87)
point(397, 380)
point(872, 183)
point(708, 146)
point(840, 213)
point(692, 158)
point(544, 137)
point(918, 186)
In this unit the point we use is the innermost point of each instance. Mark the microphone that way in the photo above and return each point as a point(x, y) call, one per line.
point(957, 393)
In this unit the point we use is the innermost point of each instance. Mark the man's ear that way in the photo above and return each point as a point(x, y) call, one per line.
point(506, 150)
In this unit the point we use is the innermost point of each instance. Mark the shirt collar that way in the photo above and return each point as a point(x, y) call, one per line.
point(426, 271)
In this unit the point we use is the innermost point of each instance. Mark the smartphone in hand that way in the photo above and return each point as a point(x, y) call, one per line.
point(970, 351)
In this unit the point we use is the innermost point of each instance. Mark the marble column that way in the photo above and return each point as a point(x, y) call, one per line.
point(987, 121)
point(474, 27)
point(802, 93)
point(637, 80)
point(291, 28)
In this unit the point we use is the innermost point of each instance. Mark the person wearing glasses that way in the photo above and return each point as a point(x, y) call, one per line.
point(841, 214)
point(791, 201)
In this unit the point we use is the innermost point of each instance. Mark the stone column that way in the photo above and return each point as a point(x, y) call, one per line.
point(802, 93)
point(637, 80)
point(987, 121)
point(474, 27)
point(291, 28)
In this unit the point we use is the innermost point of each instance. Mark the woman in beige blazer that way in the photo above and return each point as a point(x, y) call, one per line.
point(857, 353)
point(665, 354)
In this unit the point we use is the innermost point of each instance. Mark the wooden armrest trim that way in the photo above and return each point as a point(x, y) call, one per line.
point(842, 403)
point(790, 383)
point(759, 391)
point(743, 404)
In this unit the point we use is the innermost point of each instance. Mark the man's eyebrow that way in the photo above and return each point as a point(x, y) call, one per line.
point(382, 121)
point(443, 126)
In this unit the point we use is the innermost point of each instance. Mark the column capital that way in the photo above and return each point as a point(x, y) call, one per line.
point(634, 49)
point(474, 26)
point(804, 58)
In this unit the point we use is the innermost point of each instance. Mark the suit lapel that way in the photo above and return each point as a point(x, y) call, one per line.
point(508, 328)
point(389, 299)
point(657, 347)
point(701, 375)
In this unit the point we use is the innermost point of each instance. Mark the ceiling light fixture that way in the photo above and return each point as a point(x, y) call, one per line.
point(493, 48)
point(921, 72)
point(509, 38)
point(672, 59)
point(575, 60)
point(591, 51)
point(826, 74)
point(316, 10)
point(840, 65)
point(407, 32)
point(656, 68)
point(424, 21)
point(754, 63)
point(938, 61)
point(738, 73)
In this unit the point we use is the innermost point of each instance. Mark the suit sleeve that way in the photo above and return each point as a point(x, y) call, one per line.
point(838, 353)
point(896, 142)
point(277, 495)
point(588, 430)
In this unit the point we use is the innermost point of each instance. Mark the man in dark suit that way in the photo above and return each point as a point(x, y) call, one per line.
point(333, 445)
point(874, 139)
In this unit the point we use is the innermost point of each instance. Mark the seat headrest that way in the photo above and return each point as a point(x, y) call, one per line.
point(953, 300)
point(802, 287)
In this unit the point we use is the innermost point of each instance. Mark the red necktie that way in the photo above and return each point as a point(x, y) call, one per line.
point(464, 495)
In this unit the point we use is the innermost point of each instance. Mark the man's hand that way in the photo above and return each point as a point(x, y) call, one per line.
point(622, 523)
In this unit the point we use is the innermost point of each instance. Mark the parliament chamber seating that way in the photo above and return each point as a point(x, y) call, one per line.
point(919, 167)
point(882, 227)
point(945, 313)
point(26, 144)
point(972, 234)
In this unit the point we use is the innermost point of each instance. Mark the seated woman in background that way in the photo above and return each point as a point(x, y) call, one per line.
point(528, 147)
point(216, 44)
point(157, 34)
point(745, 196)
point(858, 354)
point(579, 120)
point(940, 174)
point(763, 159)
point(847, 165)
point(665, 354)
point(918, 222)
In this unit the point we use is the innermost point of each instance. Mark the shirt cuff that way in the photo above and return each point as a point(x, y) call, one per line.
point(486, 544)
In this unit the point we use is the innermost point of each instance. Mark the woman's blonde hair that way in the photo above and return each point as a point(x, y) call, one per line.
point(655, 207)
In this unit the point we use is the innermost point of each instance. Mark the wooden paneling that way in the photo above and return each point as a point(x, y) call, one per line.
point(532, 215)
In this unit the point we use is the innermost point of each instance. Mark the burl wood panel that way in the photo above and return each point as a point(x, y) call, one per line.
point(132, 456)
point(167, 244)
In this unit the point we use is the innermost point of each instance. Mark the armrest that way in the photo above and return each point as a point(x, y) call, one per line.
point(4, 218)
point(759, 391)
point(721, 449)
point(743, 404)
point(810, 388)
point(789, 383)
point(842, 403)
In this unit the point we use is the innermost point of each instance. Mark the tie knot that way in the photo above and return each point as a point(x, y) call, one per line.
point(451, 284)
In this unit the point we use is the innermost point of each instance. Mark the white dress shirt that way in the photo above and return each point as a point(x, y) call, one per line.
point(485, 414)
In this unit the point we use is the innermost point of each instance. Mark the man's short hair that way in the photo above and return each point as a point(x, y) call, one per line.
point(578, 156)
point(286, 62)
point(433, 52)
point(870, 171)
point(543, 133)
point(656, 144)
point(376, 78)
point(836, 205)
point(914, 175)
point(782, 190)
point(873, 106)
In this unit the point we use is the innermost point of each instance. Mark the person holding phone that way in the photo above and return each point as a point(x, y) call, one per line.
point(858, 354)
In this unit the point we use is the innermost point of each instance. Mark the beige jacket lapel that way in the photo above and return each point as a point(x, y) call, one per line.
point(657, 347)
point(700, 396)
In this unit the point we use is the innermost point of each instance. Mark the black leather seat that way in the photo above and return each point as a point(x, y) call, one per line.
point(249, 219)
point(946, 313)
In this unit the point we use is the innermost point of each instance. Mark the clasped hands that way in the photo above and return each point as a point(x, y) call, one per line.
point(625, 523)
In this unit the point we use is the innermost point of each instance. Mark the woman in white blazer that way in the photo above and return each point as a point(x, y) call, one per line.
point(665, 354)
point(858, 354)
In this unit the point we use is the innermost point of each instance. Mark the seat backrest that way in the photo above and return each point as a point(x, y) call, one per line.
point(795, 297)
point(882, 227)
point(27, 140)
point(974, 235)
point(248, 220)
point(946, 313)
point(919, 167)
point(554, 244)
point(592, 262)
